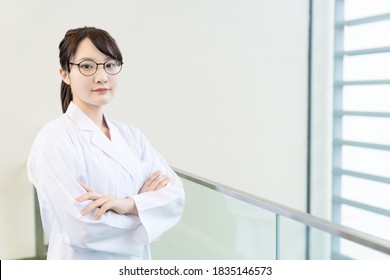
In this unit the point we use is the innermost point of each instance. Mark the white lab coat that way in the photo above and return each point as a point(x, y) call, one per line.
point(72, 149)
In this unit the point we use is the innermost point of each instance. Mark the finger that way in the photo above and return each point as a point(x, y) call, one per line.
point(93, 205)
point(103, 209)
point(155, 183)
point(162, 184)
point(152, 178)
point(89, 196)
point(158, 181)
point(87, 188)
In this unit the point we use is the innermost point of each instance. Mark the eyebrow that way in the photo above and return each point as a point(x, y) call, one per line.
point(88, 58)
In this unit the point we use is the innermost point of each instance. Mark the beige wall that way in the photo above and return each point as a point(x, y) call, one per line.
point(219, 87)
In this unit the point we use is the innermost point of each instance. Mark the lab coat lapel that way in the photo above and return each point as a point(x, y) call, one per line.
point(113, 148)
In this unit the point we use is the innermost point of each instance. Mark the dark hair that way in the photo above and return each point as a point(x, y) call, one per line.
point(68, 46)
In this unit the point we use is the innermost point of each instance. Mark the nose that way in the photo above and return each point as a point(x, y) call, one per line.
point(101, 76)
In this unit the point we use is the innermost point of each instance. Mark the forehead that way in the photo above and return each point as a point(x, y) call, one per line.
point(87, 50)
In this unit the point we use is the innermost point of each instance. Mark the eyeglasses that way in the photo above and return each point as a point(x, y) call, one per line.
point(90, 67)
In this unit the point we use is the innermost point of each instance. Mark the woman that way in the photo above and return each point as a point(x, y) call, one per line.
point(104, 192)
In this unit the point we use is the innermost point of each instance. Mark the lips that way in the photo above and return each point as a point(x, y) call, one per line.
point(101, 90)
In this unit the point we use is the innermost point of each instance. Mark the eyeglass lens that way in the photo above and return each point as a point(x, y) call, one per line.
point(89, 67)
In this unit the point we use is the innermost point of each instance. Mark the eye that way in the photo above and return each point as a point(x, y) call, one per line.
point(112, 64)
point(87, 65)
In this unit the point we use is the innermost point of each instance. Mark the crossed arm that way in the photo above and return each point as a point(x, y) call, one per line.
point(126, 205)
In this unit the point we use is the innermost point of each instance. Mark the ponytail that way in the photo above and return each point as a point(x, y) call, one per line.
point(66, 96)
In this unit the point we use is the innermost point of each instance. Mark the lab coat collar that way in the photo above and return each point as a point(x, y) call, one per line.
point(111, 147)
point(80, 118)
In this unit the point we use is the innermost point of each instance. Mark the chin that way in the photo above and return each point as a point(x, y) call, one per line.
point(103, 100)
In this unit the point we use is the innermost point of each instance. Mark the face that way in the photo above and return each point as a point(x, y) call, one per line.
point(90, 92)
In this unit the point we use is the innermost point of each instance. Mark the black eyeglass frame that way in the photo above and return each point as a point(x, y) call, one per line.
point(97, 66)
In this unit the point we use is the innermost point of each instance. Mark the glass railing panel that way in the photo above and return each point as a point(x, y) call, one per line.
point(217, 226)
point(321, 248)
point(352, 250)
point(320, 244)
point(292, 240)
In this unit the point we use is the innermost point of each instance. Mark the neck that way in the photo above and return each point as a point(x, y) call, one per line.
point(95, 113)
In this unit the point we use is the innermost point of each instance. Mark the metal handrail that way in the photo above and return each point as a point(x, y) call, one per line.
point(348, 233)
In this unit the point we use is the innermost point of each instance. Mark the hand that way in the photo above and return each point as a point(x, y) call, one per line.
point(155, 182)
point(105, 203)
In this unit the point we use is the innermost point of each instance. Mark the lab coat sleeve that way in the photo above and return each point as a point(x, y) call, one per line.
point(55, 169)
point(158, 210)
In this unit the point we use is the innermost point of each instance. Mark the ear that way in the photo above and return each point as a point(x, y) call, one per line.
point(65, 76)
